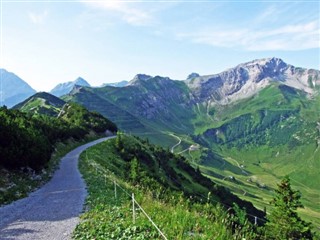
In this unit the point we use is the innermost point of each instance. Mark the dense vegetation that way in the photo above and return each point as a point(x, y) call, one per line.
point(176, 197)
point(28, 140)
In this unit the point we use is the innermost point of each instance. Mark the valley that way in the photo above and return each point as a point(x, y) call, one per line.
point(245, 128)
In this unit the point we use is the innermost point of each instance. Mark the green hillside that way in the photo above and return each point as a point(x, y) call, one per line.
point(260, 140)
point(41, 103)
point(158, 105)
point(269, 135)
point(183, 203)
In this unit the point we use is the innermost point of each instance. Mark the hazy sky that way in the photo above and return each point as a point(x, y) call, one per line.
point(48, 42)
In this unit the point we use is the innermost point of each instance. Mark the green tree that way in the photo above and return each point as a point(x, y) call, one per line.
point(284, 222)
point(119, 143)
point(134, 166)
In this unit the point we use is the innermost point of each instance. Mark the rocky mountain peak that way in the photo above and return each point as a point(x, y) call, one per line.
point(247, 79)
point(139, 77)
point(270, 62)
point(81, 82)
point(65, 88)
point(142, 77)
point(193, 75)
point(14, 89)
point(266, 67)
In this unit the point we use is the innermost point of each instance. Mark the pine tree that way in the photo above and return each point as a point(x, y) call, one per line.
point(284, 222)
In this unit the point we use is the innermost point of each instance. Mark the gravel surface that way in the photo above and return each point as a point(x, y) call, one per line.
point(51, 212)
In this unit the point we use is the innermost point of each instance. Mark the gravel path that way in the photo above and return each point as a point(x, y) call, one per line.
point(52, 211)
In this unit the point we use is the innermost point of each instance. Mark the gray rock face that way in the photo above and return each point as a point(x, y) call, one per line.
point(65, 88)
point(249, 78)
point(139, 77)
point(14, 89)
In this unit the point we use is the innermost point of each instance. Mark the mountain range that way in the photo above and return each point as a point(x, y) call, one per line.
point(254, 124)
point(245, 128)
point(183, 105)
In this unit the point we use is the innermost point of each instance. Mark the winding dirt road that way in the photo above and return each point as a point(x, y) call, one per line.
point(176, 145)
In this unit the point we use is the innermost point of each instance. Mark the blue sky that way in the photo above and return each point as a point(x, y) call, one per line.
point(48, 42)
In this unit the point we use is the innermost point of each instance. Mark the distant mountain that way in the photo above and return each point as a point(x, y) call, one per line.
point(14, 89)
point(117, 84)
point(64, 88)
point(42, 103)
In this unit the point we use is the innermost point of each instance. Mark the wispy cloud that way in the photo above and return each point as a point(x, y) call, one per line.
point(38, 18)
point(126, 10)
point(269, 14)
point(289, 37)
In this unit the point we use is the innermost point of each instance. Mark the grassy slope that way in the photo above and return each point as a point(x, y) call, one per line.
point(179, 217)
point(165, 98)
point(94, 102)
point(41, 103)
point(266, 164)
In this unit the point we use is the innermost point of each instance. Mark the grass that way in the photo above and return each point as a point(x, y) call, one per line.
point(110, 217)
point(265, 171)
point(266, 167)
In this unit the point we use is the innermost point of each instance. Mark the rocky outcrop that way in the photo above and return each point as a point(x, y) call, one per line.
point(249, 78)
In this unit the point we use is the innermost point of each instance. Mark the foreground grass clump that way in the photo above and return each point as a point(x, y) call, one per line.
point(178, 214)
